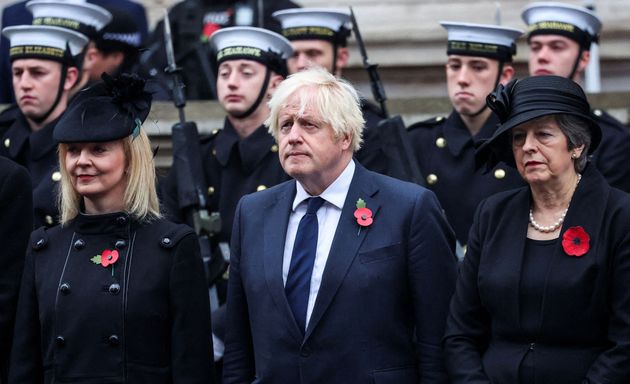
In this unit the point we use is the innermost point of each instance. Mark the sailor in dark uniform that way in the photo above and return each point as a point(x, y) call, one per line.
point(479, 57)
point(17, 14)
point(560, 38)
point(88, 19)
point(242, 157)
point(116, 293)
point(320, 37)
point(44, 70)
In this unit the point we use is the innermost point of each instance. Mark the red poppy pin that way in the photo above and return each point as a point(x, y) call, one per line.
point(363, 214)
point(575, 241)
point(106, 259)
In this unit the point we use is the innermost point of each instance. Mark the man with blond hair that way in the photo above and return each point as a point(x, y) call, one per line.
point(342, 275)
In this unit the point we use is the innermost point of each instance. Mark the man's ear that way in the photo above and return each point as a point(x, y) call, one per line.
point(584, 60)
point(506, 74)
point(274, 81)
point(72, 76)
point(343, 56)
point(91, 55)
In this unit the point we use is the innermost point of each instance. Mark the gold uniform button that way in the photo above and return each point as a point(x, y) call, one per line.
point(440, 142)
point(439, 118)
point(597, 112)
point(215, 131)
point(210, 190)
point(56, 176)
point(432, 179)
point(48, 219)
point(274, 148)
point(261, 188)
point(7, 143)
point(214, 152)
point(499, 173)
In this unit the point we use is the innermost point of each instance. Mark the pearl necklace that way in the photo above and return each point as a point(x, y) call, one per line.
point(557, 224)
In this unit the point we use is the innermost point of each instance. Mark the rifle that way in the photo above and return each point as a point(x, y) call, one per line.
point(191, 187)
point(401, 161)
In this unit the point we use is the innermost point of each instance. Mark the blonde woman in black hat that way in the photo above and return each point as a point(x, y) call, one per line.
point(542, 295)
point(115, 293)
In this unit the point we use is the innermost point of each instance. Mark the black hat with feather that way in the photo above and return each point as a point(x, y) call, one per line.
point(109, 110)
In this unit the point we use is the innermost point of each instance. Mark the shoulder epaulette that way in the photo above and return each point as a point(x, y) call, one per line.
point(429, 123)
point(173, 234)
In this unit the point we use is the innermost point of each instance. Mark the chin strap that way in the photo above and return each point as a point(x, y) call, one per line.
point(576, 64)
point(496, 83)
point(334, 59)
point(62, 80)
point(261, 97)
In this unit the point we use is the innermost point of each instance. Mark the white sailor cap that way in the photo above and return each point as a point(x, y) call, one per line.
point(549, 18)
point(483, 40)
point(314, 24)
point(251, 43)
point(44, 42)
point(79, 16)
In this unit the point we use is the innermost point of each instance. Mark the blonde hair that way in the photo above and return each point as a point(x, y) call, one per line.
point(140, 199)
point(334, 100)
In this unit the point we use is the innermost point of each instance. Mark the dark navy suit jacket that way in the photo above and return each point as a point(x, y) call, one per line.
point(382, 304)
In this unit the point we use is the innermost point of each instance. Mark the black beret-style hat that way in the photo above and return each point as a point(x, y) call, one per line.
point(109, 110)
point(523, 100)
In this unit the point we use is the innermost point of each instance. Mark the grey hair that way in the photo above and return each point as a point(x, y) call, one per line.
point(335, 101)
point(578, 133)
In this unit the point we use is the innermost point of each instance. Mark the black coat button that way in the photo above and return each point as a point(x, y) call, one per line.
point(114, 288)
point(121, 220)
point(79, 244)
point(64, 288)
point(113, 340)
point(120, 244)
point(60, 341)
point(305, 352)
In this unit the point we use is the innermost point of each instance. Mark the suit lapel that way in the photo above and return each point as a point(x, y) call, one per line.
point(345, 244)
point(275, 231)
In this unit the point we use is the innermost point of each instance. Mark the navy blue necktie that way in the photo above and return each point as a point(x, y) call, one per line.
point(298, 284)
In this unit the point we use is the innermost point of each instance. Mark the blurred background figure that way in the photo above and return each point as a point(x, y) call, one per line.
point(560, 38)
point(16, 206)
point(192, 24)
point(479, 58)
point(542, 293)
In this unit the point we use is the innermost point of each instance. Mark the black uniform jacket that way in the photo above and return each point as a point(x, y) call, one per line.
point(446, 155)
point(584, 319)
point(37, 152)
point(15, 227)
point(612, 157)
point(144, 319)
point(232, 168)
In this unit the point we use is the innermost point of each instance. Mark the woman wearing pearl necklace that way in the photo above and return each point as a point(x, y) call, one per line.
point(542, 295)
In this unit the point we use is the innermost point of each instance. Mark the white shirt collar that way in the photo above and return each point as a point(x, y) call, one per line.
point(336, 192)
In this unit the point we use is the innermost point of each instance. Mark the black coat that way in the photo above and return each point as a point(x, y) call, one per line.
point(144, 320)
point(583, 334)
point(612, 157)
point(233, 167)
point(446, 156)
point(15, 227)
point(37, 152)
